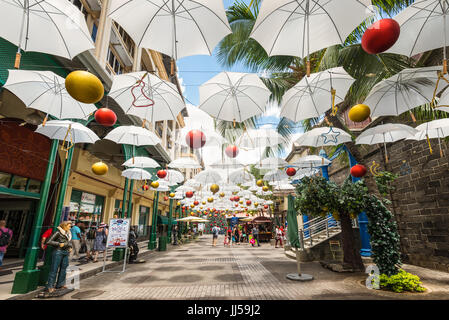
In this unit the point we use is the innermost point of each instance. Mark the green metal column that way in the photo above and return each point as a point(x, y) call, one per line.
point(153, 236)
point(130, 201)
point(27, 279)
point(125, 193)
point(170, 216)
point(119, 253)
point(45, 269)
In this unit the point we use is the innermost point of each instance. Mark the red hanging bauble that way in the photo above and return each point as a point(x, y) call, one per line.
point(161, 174)
point(381, 36)
point(165, 198)
point(232, 151)
point(195, 139)
point(106, 117)
point(145, 187)
point(248, 202)
point(196, 203)
point(265, 206)
point(290, 172)
point(358, 171)
point(236, 199)
point(189, 194)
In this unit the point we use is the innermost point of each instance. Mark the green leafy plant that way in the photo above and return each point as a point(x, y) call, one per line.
point(400, 282)
point(384, 182)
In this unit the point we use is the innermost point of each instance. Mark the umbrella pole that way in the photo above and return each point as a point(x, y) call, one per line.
point(298, 262)
point(19, 47)
point(386, 152)
point(445, 44)
point(439, 144)
point(428, 142)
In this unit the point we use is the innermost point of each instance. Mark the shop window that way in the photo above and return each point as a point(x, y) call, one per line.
point(86, 207)
point(34, 186)
point(19, 183)
point(5, 179)
point(94, 32)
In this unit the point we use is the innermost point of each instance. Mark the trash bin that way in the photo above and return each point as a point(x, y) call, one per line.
point(162, 243)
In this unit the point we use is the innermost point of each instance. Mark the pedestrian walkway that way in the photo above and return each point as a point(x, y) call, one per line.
point(198, 271)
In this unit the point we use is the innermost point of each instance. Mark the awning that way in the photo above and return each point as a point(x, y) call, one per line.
point(262, 220)
point(162, 220)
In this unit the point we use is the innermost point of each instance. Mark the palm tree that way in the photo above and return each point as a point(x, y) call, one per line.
point(283, 72)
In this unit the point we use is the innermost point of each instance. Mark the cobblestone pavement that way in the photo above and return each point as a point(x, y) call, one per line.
point(199, 271)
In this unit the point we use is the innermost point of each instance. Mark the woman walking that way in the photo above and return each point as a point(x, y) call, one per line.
point(100, 241)
point(279, 235)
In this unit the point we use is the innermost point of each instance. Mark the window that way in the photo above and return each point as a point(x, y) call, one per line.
point(114, 63)
point(34, 186)
point(5, 179)
point(19, 183)
point(129, 43)
point(94, 32)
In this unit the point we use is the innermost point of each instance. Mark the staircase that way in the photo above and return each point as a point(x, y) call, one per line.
point(315, 232)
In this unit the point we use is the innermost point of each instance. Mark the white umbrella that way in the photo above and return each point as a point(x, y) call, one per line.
point(271, 163)
point(443, 102)
point(192, 183)
point(232, 96)
point(313, 96)
point(275, 176)
point(424, 27)
point(184, 163)
point(133, 135)
point(147, 96)
point(67, 131)
point(260, 138)
point(208, 177)
point(174, 177)
point(390, 132)
point(404, 91)
point(136, 174)
point(435, 129)
point(298, 28)
point(241, 176)
point(211, 137)
point(141, 162)
point(48, 26)
point(284, 187)
point(311, 162)
point(305, 172)
point(184, 189)
point(178, 28)
point(227, 164)
point(323, 136)
point(45, 91)
point(264, 193)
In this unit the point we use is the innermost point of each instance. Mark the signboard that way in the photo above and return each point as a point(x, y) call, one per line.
point(87, 208)
point(74, 207)
point(88, 198)
point(118, 233)
point(234, 221)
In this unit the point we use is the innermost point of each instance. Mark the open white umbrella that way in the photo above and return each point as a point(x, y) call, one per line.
point(147, 96)
point(271, 163)
point(275, 176)
point(255, 138)
point(313, 96)
point(49, 26)
point(404, 91)
point(424, 26)
point(141, 162)
point(323, 136)
point(208, 177)
point(241, 176)
point(312, 161)
point(178, 28)
point(228, 163)
point(68, 131)
point(136, 174)
point(232, 96)
point(390, 132)
point(133, 135)
point(435, 129)
point(184, 163)
point(212, 138)
point(184, 189)
point(300, 27)
point(45, 91)
point(174, 177)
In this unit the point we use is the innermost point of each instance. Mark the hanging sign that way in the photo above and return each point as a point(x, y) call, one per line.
point(88, 198)
point(118, 233)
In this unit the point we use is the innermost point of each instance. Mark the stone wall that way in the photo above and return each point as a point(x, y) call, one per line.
point(420, 200)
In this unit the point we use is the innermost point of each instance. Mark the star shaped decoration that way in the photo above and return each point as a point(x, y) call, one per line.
point(331, 136)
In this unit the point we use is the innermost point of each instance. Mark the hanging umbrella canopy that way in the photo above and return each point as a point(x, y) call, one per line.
point(298, 28)
point(311, 162)
point(212, 138)
point(443, 102)
point(232, 96)
point(30, 24)
point(132, 135)
point(323, 136)
point(256, 138)
point(390, 132)
point(184, 189)
point(228, 163)
point(141, 162)
point(433, 129)
point(69, 131)
point(178, 28)
point(240, 176)
point(191, 219)
point(404, 91)
point(264, 193)
point(208, 177)
point(184, 163)
point(271, 163)
point(275, 176)
point(45, 91)
point(174, 177)
point(192, 183)
point(423, 27)
point(292, 230)
point(136, 174)
point(305, 172)
point(284, 187)
point(147, 96)
point(313, 96)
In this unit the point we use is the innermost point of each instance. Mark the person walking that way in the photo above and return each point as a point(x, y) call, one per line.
point(47, 234)
point(215, 232)
point(5, 240)
point(101, 237)
point(132, 245)
point(60, 240)
point(256, 234)
point(90, 239)
point(278, 236)
point(76, 241)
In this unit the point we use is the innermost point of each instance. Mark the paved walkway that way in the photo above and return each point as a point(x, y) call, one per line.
point(199, 271)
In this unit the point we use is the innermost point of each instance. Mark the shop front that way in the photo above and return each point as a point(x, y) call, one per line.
point(265, 226)
point(86, 207)
point(144, 216)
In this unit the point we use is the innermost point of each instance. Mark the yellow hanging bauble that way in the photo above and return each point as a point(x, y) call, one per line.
point(256, 204)
point(265, 188)
point(241, 201)
point(203, 202)
point(155, 184)
point(259, 183)
point(359, 113)
point(214, 188)
point(84, 87)
point(172, 195)
point(100, 168)
point(178, 203)
point(192, 206)
point(210, 199)
point(222, 194)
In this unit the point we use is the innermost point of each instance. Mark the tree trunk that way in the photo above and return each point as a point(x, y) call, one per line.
point(351, 256)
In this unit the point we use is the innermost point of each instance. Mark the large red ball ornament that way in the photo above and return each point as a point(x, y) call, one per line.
point(232, 151)
point(381, 36)
point(195, 139)
point(265, 206)
point(189, 194)
point(248, 202)
point(145, 187)
point(291, 172)
point(196, 203)
point(231, 198)
point(165, 198)
point(236, 205)
point(161, 174)
point(358, 171)
point(106, 117)
point(236, 199)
